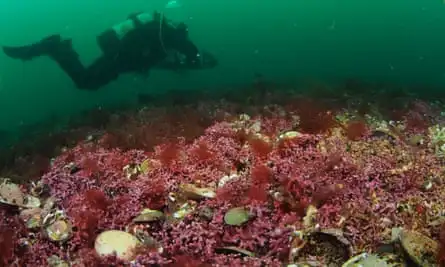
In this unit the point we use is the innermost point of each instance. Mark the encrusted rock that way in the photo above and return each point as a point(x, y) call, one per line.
point(419, 247)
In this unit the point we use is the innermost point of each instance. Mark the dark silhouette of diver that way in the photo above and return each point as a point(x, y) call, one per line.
point(138, 44)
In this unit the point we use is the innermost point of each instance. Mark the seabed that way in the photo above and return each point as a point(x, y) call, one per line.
point(346, 177)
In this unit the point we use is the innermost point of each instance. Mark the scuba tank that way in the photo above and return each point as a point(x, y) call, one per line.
point(109, 40)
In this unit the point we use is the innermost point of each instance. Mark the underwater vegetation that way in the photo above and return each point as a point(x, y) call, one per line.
point(301, 182)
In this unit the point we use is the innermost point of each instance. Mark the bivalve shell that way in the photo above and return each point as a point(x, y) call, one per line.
point(31, 202)
point(59, 231)
point(193, 192)
point(118, 243)
point(32, 217)
point(149, 215)
point(289, 135)
point(236, 216)
point(11, 194)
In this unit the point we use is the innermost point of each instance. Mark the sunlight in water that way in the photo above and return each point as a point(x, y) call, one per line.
point(173, 4)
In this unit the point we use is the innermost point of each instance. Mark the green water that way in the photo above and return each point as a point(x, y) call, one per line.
point(285, 40)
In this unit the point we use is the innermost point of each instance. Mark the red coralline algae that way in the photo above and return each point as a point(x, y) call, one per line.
point(202, 152)
point(260, 147)
point(356, 130)
point(361, 185)
point(261, 174)
point(169, 153)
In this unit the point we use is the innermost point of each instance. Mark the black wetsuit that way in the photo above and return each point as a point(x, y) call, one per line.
point(138, 51)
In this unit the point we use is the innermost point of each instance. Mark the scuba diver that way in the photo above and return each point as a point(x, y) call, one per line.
point(138, 44)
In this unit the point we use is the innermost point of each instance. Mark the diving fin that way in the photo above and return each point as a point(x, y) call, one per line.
point(28, 52)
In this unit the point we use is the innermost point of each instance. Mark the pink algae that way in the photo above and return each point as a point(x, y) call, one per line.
point(353, 180)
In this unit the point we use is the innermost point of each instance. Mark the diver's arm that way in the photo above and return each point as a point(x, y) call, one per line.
point(191, 53)
point(178, 62)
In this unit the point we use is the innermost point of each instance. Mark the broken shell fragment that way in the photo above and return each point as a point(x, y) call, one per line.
point(48, 207)
point(427, 185)
point(145, 238)
point(235, 250)
point(118, 243)
point(51, 217)
point(289, 135)
point(55, 261)
point(146, 166)
point(297, 243)
point(306, 264)
point(31, 202)
point(236, 216)
point(39, 188)
point(227, 178)
point(378, 259)
point(191, 191)
point(421, 249)
point(32, 217)
point(59, 231)
point(184, 210)
point(309, 218)
point(131, 171)
point(206, 213)
point(148, 215)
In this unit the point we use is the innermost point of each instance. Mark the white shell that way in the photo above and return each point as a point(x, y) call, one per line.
point(289, 135)
point(120, 243)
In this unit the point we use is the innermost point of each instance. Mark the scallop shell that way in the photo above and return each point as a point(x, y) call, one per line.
point(11, 194)
point(236, 216)
point(59, 230)
point(149, 215)
point(421, 249)
point(191, 191)
point(119, 243)
point(289, 135)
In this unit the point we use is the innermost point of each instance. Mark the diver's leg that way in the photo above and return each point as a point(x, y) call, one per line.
point(101, 72)
point(104, 70)
point(61, 51)
point(28, 52)
point(68, 60)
